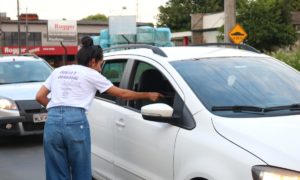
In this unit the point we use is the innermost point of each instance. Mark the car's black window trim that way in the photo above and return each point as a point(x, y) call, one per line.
point(186, 120)
point(117, 101)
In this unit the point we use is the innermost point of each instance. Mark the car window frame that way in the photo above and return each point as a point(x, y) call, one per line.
point(103, 96)
point(181, 111)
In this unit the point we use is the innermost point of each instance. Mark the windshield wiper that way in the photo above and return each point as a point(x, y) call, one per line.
point(291, 107)
point(31, 81)
point(238, 108)
point(19, 82)
point(6, 83)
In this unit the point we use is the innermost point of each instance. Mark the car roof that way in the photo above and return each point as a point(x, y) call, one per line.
point(188, 52)
point(11, 58)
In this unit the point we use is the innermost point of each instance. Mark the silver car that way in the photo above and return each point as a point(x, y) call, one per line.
point(20, 79)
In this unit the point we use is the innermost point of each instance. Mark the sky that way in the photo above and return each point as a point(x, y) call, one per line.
point(79, 9)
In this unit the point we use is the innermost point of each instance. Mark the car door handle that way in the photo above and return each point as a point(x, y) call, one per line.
point(120, 123)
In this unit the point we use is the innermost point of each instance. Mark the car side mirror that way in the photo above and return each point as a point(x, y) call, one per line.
point(158, 112)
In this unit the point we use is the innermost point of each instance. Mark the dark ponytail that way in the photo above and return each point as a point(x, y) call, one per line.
point(88, 51)
point(87, 41)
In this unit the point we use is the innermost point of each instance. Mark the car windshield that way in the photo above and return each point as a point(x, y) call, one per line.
point(24, 71)
point(234, 85)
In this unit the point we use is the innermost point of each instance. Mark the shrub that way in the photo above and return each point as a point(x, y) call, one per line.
point(291, 58)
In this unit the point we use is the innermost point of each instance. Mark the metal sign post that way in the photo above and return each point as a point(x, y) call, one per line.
point(62, 31)
point(65, 53)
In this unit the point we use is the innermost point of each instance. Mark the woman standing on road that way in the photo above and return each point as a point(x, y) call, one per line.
point(67, 144)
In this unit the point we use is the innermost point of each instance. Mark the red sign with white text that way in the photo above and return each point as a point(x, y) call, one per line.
point(40, 50)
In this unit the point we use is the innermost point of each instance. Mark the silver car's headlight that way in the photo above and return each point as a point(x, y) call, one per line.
point(273, 173)
point(7, 104)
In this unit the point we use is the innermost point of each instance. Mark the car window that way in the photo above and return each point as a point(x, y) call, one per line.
point(146, 78)
point(241, 81)
point(113, 71)
point(24, 71)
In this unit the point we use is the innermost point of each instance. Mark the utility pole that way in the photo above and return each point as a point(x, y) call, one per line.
point(230, 19)
point(137, 10)
point(18, 16)
point(1, 34)
point(26, 27)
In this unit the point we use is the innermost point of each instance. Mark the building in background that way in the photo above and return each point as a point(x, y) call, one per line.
point(205, 27)
point(57, 41)
point(296, 22)
point(34, 37)
point(182, 38)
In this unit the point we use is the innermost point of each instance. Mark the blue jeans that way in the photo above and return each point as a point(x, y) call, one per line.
point(67, 144)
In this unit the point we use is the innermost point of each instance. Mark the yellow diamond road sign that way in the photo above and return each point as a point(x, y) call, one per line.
point(237, 34)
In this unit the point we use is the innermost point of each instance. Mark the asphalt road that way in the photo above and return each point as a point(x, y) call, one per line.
point(22, 158)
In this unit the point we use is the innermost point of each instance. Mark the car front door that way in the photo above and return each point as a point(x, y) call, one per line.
point(144, 149)
point(101, 118)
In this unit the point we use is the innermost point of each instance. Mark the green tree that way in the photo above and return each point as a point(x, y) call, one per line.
point(175, 14)
point(98, 16)
point(267, 23)
point(294, 4)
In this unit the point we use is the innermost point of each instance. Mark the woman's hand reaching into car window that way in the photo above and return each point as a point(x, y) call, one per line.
point(154, 96)
point(132, 95)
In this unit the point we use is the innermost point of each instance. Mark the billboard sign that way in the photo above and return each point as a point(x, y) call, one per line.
point(62, 30)
point(122, 25)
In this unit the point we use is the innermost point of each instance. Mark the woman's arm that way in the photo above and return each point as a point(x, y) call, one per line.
point(41, 96)
point(132, 95)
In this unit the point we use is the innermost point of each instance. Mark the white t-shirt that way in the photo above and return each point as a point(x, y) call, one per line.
point(75, 85)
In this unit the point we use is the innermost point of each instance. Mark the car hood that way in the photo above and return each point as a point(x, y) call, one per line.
point(20, 91)
point(275, 140)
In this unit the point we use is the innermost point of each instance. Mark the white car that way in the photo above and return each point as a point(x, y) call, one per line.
point(228, 114)
point(20, 79)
